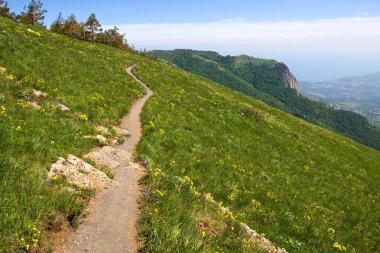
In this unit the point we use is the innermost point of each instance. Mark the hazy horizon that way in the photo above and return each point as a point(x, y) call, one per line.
point(318, 40)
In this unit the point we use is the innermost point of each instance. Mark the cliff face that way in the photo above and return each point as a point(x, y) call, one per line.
point(288, 78)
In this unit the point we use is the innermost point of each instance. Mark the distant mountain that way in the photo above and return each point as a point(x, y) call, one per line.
point(273, 83)
point(360, 94)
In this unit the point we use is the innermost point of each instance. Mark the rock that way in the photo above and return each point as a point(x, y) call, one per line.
point(68, 189)
point(79, 173)
point(38, 94)
point(290, 80)
point(120, 131)
point(114, 142)
point(100, 138)
point(102, 130)
point(251, 234)
point(62, 107)
point(34, 105)
point(108, 156)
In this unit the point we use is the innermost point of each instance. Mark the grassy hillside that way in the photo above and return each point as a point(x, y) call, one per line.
point(262, 79)
point(90, 80)
point(306, 188)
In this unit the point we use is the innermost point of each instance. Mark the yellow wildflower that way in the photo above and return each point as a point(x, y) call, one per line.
point(331, 231)
point(159, 192)
point(3, 110)
point(338, 246)
point(83, 117)
point(10, 77)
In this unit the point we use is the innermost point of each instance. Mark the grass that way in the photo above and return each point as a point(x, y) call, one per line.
point(306, 188)
point(90, 80)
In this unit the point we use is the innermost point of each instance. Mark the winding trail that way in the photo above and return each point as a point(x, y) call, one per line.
point(111, 224)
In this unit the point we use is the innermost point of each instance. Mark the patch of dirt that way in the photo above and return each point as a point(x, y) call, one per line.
point(209, 226)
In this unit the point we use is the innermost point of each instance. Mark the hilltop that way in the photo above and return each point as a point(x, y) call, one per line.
point(273, 83)
point(360, 94)
point(305, 188)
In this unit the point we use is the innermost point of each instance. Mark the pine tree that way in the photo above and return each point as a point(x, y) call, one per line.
point(112, 37)
point(58, 25)
point(34, 14)
point(72, 28)
point(4, 10)
point(93, 27)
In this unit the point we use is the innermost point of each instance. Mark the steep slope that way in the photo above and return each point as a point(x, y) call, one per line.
point(360, 94)
point(269, 81)
point(88, 79)
point(306, 188)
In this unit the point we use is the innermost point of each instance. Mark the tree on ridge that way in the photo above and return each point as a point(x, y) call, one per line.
point(34, 15)
point(92, 27)
point(4, 10)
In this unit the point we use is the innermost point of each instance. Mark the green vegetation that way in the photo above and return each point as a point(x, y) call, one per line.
point(87, 78)
point(34, 14)
point(360, 94)
point(306, 188)
point(91, 31)
point(262, 79)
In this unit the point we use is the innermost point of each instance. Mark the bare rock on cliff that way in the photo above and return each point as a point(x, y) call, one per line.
point(290, 80)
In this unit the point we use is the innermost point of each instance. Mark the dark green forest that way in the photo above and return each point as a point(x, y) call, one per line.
point(263, 79)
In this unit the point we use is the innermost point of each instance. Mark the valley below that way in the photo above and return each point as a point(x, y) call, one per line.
point(359, 94)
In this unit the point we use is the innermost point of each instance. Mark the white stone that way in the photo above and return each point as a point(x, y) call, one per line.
point(108, 156)
point(79, 173)
point(62, 107)
point(120, 131)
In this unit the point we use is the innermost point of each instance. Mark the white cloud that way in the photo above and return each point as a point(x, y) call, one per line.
point(239, 32)
point(356, 36)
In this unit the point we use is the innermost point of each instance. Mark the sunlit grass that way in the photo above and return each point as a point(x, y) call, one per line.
point(288, 179)
point(88, 79)
point(305, 188)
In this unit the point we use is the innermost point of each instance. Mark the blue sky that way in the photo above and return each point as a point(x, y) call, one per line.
point(318, 40)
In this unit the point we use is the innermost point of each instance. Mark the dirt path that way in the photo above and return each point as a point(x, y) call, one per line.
point(111, 224)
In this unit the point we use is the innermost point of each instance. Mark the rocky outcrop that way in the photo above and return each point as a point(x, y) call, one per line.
point(79, 173)
point(109, 157)
point(290, 80)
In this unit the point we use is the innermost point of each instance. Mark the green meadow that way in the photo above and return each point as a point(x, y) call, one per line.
point(305, 188)
point(91, 81)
